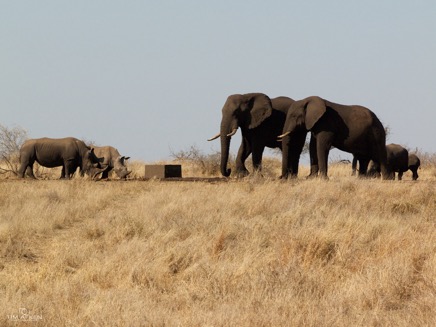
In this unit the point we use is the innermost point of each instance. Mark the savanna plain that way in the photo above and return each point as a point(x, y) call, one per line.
point(250, 252)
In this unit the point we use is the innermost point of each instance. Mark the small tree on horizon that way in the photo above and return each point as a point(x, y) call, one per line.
point(11, 140)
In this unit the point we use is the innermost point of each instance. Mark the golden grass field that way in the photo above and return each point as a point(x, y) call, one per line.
point(250, 252)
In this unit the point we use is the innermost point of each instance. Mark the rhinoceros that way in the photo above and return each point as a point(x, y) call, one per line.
point(68, 152)
point(110, 159)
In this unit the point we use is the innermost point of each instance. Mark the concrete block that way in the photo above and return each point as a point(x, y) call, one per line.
point(163, 171)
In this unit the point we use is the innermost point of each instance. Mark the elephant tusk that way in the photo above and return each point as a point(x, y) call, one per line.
point(233, 132)
point(283, 135)
point(215, 137)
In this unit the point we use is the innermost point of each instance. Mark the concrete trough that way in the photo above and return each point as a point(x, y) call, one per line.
point(163, 171)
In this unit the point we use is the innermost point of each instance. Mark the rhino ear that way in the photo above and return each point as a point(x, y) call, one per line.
point(123, 159)
point(120, 159)
point(91, 153)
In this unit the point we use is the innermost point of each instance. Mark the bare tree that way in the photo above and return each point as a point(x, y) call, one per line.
point(11, 140)
point(208, 163)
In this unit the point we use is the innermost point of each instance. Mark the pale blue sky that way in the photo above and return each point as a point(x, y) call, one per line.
point(150, 76)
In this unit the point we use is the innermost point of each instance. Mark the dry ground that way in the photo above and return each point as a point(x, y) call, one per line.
point(253, 252)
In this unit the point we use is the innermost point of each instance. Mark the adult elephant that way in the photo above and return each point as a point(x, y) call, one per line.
point(261, 120)
point(413, 165)
point(353, 129)
point(397, 161)
point(68, 152)
point(110, 160)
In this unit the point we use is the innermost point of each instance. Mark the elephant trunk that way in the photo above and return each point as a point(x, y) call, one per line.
point(228, 128)
point(225, 149)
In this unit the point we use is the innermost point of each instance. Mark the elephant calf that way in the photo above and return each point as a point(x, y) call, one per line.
point(397, 161)
point(413, 165)
point(110, 159)
point(68, 152)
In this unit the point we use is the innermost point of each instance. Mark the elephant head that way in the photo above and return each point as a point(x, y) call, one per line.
point(303, 114)
point(301, 117)
point(246, 111)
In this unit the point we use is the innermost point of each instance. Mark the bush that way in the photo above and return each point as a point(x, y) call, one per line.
point(11, 141)
point(206, 164)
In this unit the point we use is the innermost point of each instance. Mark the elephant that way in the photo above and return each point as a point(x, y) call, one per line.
point(350, 128)
point(110, 159)
point(397, 161)
point(413, 165)
point(68, 152)
point(261, 120)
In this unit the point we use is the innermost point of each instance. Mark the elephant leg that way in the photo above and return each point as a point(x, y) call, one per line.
point(296, 149)
point(314, 166)
point(381, 155)
point(256, 156)
point(414, 173)
point(243, 153)
point(363, 167)
point(354, 166)
point(400, 175)
point(286, 158)
point(323, 145)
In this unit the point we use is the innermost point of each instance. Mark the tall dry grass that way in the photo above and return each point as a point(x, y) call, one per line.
point(253, 252)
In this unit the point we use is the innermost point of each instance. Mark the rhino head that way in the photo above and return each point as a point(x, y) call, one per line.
point(120, 167)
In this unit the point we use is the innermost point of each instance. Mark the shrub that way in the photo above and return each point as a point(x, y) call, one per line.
point(11, 140)
point(205, 164)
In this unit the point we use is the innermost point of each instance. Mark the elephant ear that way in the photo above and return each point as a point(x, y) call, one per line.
point(315, 109)
point(261, 110)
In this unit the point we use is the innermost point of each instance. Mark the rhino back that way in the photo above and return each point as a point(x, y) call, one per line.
point(53, 152)
point(109, 153)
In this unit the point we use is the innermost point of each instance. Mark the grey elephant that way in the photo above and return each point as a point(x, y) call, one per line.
point(69, 152)
point(261, 120)
point(413, 165)
point(110, 159)
point(354, 129)
point(397, 161)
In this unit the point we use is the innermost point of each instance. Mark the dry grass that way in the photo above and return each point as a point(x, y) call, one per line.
point(256, 252)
